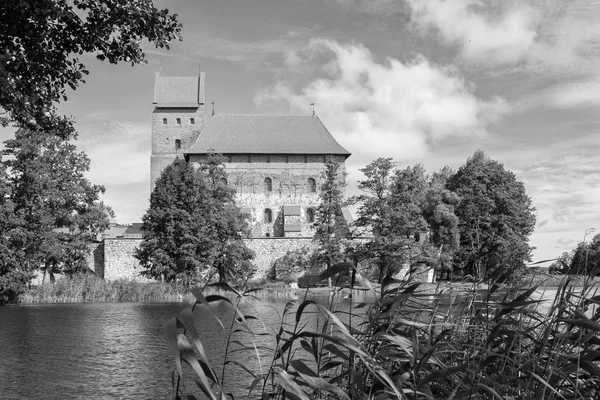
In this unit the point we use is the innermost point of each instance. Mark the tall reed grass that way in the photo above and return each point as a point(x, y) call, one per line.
point(484, 342)
point(89, 288)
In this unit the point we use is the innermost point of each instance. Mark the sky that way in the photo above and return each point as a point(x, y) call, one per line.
point(422, 81)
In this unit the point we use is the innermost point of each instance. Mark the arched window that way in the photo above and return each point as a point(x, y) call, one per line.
point(312, 185)
point(223, 181)
point(268, 218)
point(310, 215)
point(268, 185)
point(177, 144)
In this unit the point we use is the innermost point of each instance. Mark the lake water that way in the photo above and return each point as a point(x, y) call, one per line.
point(105, 350)
point(111, 350)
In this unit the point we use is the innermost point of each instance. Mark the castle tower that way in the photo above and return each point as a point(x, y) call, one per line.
point(178, 117)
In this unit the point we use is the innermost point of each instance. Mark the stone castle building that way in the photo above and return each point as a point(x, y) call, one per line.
point(273, 161)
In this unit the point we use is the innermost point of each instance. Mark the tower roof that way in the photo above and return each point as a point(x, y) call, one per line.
point(178, 92)
point(266, 134)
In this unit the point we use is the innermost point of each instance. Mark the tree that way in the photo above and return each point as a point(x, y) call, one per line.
point(192, 225)
point(376, 214)
point(585, 259)
point(52, 210)
point(42, 39)
point(330, 225)
point(439, 212)
point(496, 217)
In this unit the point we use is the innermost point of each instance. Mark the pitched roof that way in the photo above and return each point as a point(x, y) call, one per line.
point(266, 134)
point(178, 92)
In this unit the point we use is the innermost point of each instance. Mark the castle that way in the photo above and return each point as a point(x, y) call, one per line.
point(274, 162)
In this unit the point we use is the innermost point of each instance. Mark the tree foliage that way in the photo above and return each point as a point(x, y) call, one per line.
point(50, 210)
point(496, 217)
point(330, 225)
point(585, 259)
point(41, 41)
point(398, 208)
point(193, 225)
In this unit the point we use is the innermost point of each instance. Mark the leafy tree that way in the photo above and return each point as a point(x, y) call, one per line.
point(496, 217)
point(439, 212)
point(398, 207)
point(13, 272)
point(376, 215)
point(586, 258)
point(192, 225)
point(330, 225)
point(41, 41)
point(52, 211)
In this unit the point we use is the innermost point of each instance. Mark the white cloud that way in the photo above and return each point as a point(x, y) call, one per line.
point(120, 160)
point(507, 37)
point(563, 180)
point(381, 108)
point(537, 33)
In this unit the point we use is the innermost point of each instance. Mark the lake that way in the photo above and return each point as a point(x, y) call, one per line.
point(105, 350)
point(110, 350)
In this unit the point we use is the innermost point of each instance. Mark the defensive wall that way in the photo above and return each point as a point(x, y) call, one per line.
point(119, 262)
point(113, 258)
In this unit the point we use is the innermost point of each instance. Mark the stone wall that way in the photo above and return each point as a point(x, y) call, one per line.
point(289, 176)
point(268, 250)
point(119, 262)
point(164, 136)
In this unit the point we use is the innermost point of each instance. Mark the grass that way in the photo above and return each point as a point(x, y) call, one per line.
point(89, 288)
point(481, 342)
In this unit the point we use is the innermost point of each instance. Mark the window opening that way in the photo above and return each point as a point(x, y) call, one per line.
point(177, 144)
point(164, 121)
point(268, 185)
point(310, 215)
point(178, 121)
point(312, 185)
point(268, 216)
point(192, 121)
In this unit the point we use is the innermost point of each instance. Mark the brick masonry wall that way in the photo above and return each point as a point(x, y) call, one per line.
point(268, 250)
point(289, 176)
point(119, 262)
point(164, 151)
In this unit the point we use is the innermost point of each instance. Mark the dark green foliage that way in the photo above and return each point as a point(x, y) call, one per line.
point(41, 41)
point(585, 259)
point(193, 225)
point(330, 226)
point(496, 217)
point(51, 211)
point(376, 216)
point(401, 208)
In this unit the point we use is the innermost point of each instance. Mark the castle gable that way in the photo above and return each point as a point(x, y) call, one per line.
point(265, 134)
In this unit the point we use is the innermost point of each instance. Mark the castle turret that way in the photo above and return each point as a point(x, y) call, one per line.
point(178, 117)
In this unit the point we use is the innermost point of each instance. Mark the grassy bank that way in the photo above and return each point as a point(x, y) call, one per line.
point(89, 288)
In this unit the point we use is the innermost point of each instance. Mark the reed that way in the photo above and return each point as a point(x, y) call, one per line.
point(485, 341)
point(89, 288)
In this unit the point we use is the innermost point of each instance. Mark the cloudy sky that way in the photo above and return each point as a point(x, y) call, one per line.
point(422, 81)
